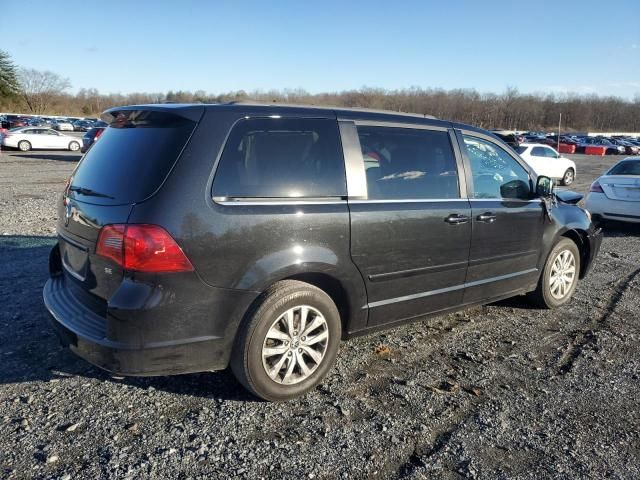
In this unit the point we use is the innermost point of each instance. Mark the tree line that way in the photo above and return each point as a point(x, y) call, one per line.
point(43, 92)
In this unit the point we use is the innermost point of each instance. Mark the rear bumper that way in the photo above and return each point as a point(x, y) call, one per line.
point(91, 336)
point(604, 207)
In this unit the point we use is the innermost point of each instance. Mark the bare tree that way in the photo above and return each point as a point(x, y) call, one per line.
point(45, 92)
point(40, 87)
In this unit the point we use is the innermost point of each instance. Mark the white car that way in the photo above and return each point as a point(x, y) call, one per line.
point(63, 125)
point(546, 161)
point(616, 194)
point(26, 138)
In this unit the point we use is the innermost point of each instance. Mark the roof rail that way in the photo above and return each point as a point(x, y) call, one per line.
point(327, 107)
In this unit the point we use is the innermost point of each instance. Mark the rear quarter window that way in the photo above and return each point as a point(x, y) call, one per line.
point(281, 157)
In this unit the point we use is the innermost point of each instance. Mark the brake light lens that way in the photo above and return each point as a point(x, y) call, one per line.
point(142, 248)
point(98, 133)
point(596, 187)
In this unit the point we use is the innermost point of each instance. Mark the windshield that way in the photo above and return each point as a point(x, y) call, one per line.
point(628, 167)
point(133, 157)
point(521, 149)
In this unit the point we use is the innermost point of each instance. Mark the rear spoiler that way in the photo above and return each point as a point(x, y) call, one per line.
point(190, 112)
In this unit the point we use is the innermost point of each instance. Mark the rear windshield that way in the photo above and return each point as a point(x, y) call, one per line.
point(521, 149)
point(628, 167)
point(133, 157)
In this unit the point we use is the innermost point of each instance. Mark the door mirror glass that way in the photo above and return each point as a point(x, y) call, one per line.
point(515, 189)
point(544, 186)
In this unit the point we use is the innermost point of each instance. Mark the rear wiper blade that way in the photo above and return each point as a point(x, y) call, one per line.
point(88, 192)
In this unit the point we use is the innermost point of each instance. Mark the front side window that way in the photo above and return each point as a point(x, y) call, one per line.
point(495, 173)
point(282, 157)
point(406, 163)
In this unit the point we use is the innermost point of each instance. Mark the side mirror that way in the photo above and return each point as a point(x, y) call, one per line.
point(515, 189)
point(544, 187)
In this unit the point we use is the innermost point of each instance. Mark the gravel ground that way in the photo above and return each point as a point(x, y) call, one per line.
point(501, 391)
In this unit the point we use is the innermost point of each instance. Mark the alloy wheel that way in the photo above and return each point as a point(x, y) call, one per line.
point(295, 345)
point(563, 274)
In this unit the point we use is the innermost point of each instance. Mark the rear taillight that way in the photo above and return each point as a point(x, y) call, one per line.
point(596, 187)
point(98, 133)
point(143, 248)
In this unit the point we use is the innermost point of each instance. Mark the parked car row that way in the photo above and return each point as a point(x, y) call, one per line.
point(614, 145)
point(61, 124)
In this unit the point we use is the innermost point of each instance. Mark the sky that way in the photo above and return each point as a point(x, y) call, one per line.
point(216, 46)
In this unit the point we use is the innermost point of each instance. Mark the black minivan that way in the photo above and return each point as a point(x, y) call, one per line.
point(194, 237)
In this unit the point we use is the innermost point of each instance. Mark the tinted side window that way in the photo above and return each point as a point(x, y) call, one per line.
point(405, 163)
point(538, 152)
point(496, 174)
point(288, 157)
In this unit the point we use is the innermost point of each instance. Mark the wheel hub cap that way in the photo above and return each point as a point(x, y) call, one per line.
point(563, 272)
point(295, 345)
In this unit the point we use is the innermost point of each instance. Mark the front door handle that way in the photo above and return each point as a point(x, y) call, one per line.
point(456, 219)
point(487, 217)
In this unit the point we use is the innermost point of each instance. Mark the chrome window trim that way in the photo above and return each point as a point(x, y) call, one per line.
point(244, 201)
point(410, 200)
point(353, 161)
point(410, 126)
point(445, 200)
point(505, 200)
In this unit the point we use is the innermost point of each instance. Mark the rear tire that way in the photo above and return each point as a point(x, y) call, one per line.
point(559, 276)
point(275, 356)
point(568, 177)
point(74, 146)
point(24, 146)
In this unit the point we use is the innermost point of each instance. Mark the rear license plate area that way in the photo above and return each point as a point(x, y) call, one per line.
point(74, 259)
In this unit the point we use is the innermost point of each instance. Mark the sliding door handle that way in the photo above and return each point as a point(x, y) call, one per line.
point(487, 217)
point(456, 219)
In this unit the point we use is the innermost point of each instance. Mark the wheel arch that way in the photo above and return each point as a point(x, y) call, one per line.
point(345, 297)
point(579, 237)
point(332, 287)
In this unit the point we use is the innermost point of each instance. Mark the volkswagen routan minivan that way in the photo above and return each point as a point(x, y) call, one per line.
point(196, 237)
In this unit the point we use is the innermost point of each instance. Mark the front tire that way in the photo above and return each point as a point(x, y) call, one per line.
point(559, 277)
point(568, 177)
point(74, 146)
point(24, 146)
point(288, 341)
